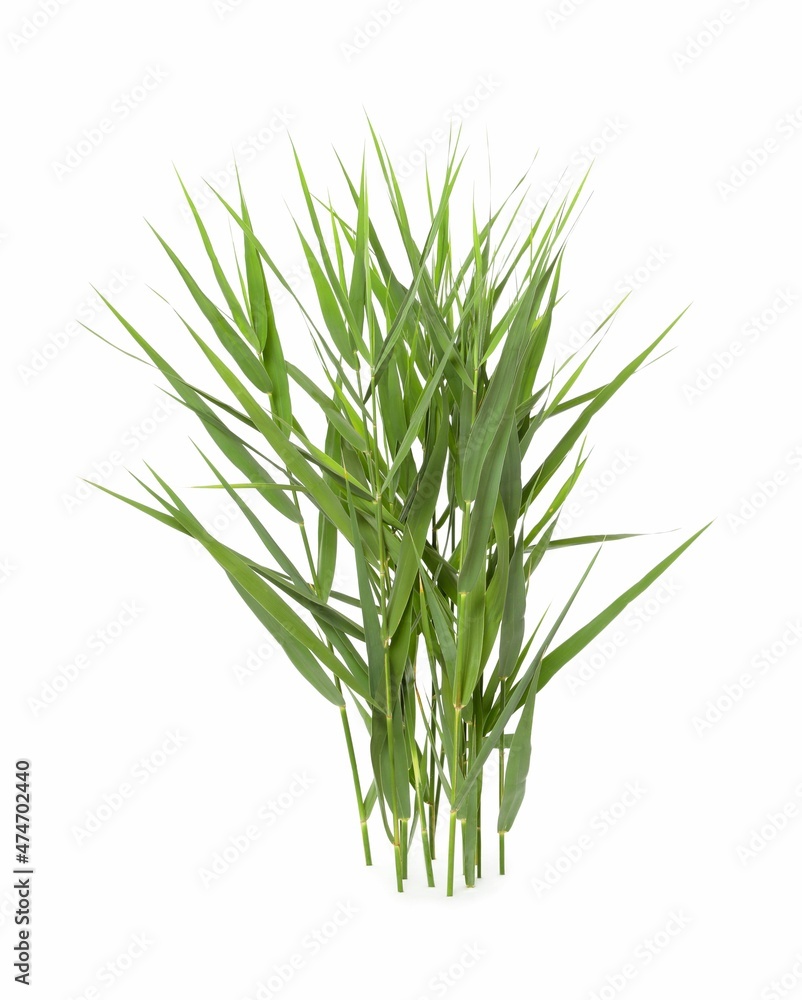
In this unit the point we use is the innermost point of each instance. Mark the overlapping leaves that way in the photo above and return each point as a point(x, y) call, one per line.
point(433, 390)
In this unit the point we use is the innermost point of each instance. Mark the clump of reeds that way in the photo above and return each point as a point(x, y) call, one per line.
point(433, 392)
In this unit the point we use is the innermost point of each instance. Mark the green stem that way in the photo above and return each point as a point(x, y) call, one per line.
point(461, 600)
point(308, 549)
point(452, 824)
point(434, 778)
point(468, 841)
point(452, 839)
point(427, 852)
point(501, 858)
point(399, 870)
point(477, 736)
point(363, 820)
point(388, 689)
point(404, 848)
point(416, 770)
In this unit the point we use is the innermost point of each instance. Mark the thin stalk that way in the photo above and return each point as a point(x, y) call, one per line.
point(404, 829)
point(479, 828)
point(455, 767)
point(452, 836)
point(501, 856)
point(469, 856)
point(434, 778)
point(430, 746)
point(416, 772)
point(307, 547)
point(427, 853)
point(438, 793)
point(477, 735)
point(452, 820)
point(399, 866)
point(363, 820)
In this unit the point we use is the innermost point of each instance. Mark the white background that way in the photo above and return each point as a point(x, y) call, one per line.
point(697, 133)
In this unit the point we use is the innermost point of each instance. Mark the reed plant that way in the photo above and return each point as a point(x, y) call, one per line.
point(435, 396)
